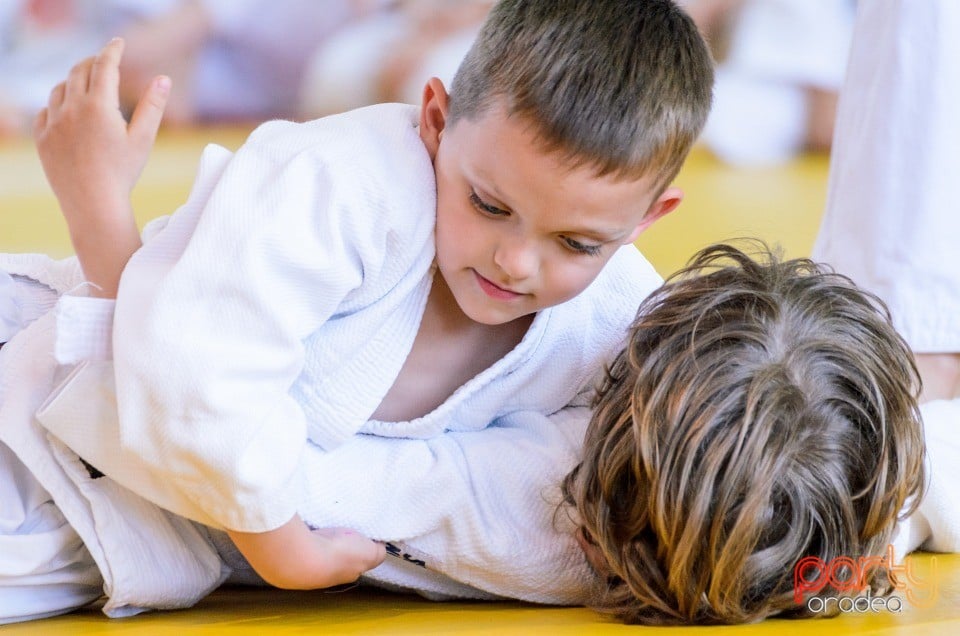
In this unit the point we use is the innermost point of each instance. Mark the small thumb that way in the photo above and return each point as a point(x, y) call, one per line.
point(145, 121)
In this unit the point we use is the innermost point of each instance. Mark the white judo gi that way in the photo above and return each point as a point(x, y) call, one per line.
point(472, 512)
point(468, 514)
point(891, 222)
point(329, 231)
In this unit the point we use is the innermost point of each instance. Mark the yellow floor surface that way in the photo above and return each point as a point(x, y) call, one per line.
point(779, 204)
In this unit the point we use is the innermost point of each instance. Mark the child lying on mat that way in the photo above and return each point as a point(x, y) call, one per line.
point(763, 413)
point(382, 271)
point(767, 405)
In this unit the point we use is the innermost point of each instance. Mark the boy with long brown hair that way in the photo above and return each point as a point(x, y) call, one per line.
point(763, 412)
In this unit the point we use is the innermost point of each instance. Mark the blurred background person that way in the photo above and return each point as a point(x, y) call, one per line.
point(38, 39)
point(390, 55)
point(230, 60)
point(780, 65)
point(780, 62)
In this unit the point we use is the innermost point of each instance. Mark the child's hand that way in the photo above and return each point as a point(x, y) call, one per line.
point(89, 153)
point(297, 558)
point(93, 158)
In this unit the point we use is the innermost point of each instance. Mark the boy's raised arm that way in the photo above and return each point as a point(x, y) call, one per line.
point(92, 158)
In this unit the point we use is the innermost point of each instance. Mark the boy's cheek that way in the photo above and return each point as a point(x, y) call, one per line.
point(571, 279)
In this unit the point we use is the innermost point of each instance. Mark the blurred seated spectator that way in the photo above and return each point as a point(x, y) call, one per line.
point(781, 62)
point(39, 42)
point(390, 55)
point(780, 67)
point(229, 59)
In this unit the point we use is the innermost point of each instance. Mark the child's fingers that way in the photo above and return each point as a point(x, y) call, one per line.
point(146, 117)
point(105, 71)
point(79, 79)
point(39, 123)
point(56, 97)
point(350, 555)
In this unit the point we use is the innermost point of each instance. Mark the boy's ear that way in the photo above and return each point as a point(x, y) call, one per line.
point(433, 115)
point(666, 203)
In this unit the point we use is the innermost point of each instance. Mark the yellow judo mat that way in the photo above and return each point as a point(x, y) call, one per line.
point(780, 204)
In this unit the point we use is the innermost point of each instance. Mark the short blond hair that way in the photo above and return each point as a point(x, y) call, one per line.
point(763, 411)
point(623, 86)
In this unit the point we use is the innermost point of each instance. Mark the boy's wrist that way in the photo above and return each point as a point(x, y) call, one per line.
point(103, 249)
point(100, 209)
point(102, 216)
point(91, 228)
point(88, 235)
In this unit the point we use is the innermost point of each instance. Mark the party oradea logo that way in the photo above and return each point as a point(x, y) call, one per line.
point(849, 577)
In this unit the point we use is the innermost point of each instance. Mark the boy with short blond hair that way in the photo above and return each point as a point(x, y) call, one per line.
point(594, 119)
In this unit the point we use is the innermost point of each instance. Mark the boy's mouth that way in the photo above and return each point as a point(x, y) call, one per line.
point(493, 290)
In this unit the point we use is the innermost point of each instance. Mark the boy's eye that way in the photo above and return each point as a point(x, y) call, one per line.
point(582, 248)
point(486, 208)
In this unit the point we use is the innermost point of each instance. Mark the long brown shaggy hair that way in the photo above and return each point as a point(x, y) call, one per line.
point(763, 411)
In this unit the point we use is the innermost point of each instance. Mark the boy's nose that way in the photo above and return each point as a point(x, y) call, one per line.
point(517, 258)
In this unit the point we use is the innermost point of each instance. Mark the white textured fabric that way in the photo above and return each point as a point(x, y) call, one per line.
point(23, 299)
point(941, 505)
point(10, 315)
point(891, 221)
point(478, 508)
point(935, 526)
point(93, 327)
point(231, 315)
point(123, 536)
point(44, 567)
